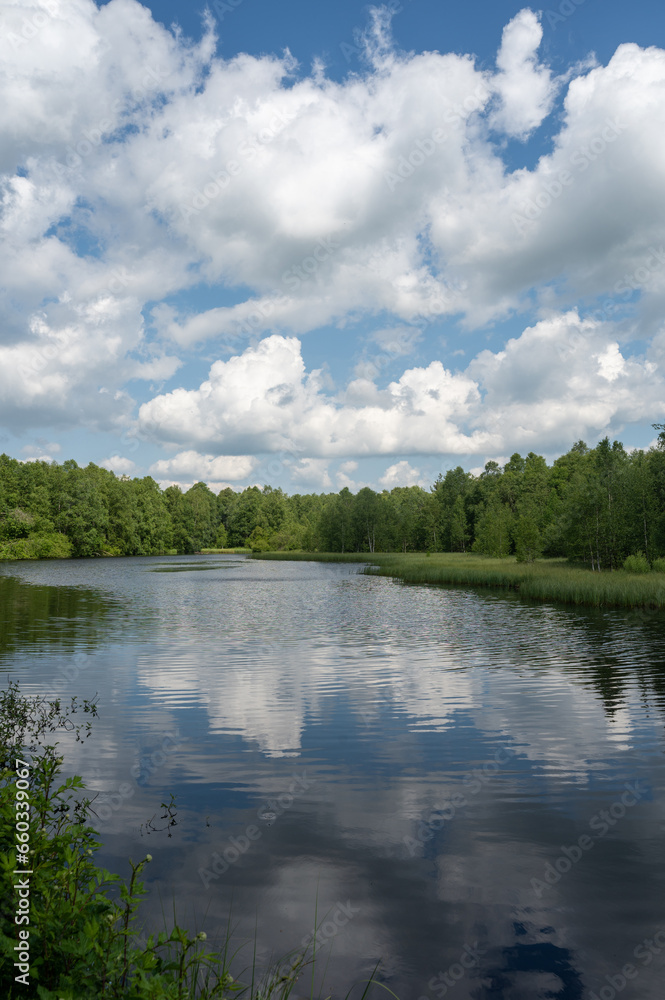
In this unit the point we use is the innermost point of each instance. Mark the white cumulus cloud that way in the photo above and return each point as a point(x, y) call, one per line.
point(136, 164)
point(190, 465)
point(539, 391)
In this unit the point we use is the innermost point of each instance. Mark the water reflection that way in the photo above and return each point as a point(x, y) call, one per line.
point(35, 619)
point(449, 746)
point(533, 970)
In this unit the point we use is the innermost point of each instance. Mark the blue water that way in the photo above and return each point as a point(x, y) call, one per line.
point(466, 786)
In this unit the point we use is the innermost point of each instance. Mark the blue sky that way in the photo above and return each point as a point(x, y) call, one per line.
point(328, 30)
point(333, 244)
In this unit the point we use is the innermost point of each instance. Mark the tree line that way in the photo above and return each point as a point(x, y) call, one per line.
point(593, 505)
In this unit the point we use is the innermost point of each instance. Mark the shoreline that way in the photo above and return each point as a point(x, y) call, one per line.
point(543, 580)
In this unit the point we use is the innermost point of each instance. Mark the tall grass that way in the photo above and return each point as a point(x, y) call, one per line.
point(239, 550)
point(342, 557)
point(543, 580)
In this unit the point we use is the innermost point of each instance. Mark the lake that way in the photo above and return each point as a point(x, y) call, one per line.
point(465, 785)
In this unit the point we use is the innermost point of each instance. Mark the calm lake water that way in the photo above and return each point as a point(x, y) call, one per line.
point(467, 786)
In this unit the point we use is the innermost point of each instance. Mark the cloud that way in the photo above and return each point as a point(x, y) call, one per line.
point(564, 378)
point(400, 474)
point(121, 466)
point(264, 401)
point(561, 379)
point(311, 472)
point(42, 457)
point(136, 165)
point(204, 468)
point(526, 89)
point(40, 447)
point(386, 345)
point(397, 341)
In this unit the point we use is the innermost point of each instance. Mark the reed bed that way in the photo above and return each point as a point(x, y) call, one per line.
point(543, 580)
point(239, 550)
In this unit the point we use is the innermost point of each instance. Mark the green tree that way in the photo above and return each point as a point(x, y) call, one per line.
point(527, 537)
point(450, 513)
point(182, 520)
point(459, 532)
point(368, 514)
point(493, 530)
point(245, 515)
point(221, 538)
point(203, 519)
point(335, 527)
point(154, 523)
point(258, 539)
point(81, 513)
point(274, 508)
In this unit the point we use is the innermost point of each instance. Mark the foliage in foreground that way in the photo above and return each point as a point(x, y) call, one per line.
point(83, 934)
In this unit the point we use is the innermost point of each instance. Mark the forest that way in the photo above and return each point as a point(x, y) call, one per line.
point(596, 506)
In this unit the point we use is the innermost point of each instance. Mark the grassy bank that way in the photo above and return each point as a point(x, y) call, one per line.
point(225, 552)
point(543, 580)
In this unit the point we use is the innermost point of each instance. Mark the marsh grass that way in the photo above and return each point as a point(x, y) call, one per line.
point(225, 552)
point(333, 557)
point(542, 580)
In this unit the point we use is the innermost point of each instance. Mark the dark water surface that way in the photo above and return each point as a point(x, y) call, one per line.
point(425, 761)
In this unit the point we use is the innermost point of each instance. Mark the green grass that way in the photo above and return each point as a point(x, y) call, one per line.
point(226, 552)
point(543, 580)
point(300, 556)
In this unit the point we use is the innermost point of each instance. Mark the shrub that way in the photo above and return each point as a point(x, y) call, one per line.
point(658, 565)
point(45, 545)
point(257, 541)
point(637, 563)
